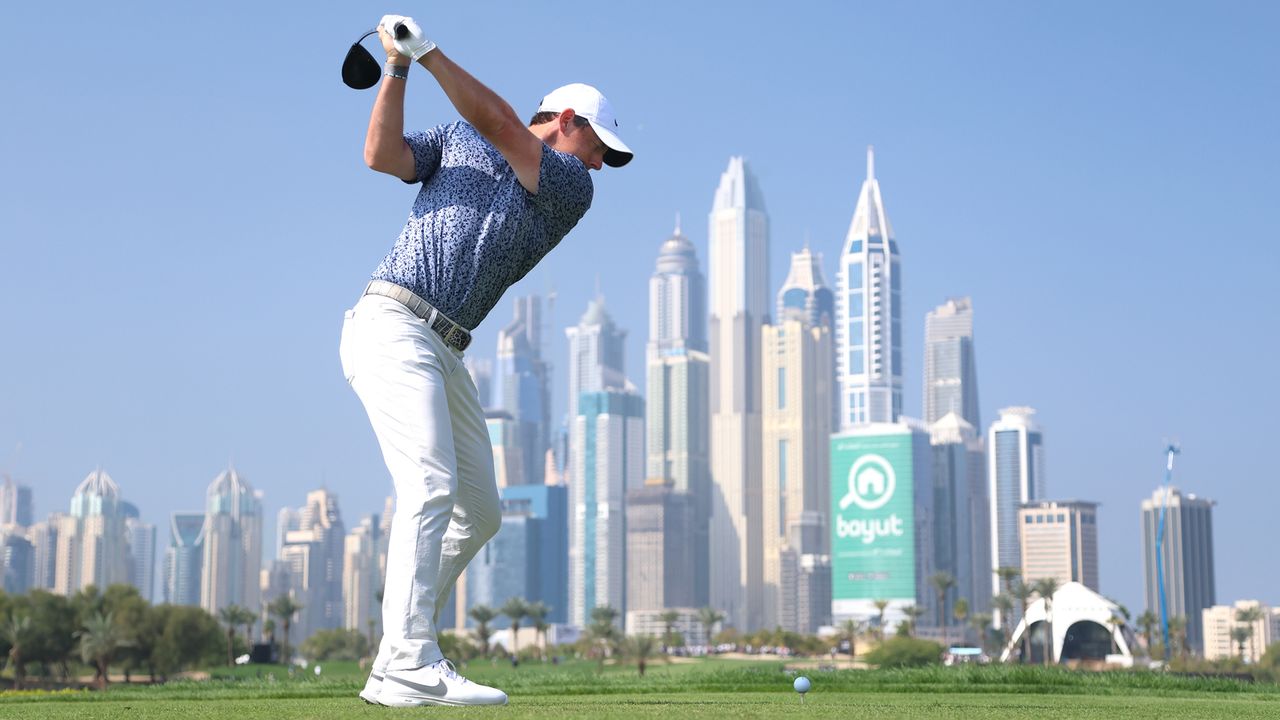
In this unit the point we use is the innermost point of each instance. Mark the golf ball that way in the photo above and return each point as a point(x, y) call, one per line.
point(802, 685)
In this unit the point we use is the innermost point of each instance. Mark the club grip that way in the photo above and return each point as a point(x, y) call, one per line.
point(401, 31)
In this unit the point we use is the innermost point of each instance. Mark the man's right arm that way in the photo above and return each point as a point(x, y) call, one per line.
point(384, 147)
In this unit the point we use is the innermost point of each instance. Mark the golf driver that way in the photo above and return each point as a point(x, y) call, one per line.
point(359, 70)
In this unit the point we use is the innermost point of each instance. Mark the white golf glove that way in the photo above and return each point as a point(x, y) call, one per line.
point(415, 45)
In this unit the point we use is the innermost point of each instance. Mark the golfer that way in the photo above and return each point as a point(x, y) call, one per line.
point(496, 196)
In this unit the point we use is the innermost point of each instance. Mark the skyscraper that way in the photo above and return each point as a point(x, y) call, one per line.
point(796, 427)
point(232, 544)
point(523, 385)
point(961, 528)
point(91, 540)
point(677, 413)
point(597, 353)
point(950, 371)
point(17, 560)
point(547, 510)
point(184, 559)
point(314, 557)
point(869, 313)
point(509, 448)
point(659, 556)
point(361, 578)
point(608, 460)
point(140, 545)
point(43, 537)
point(1015, 468)
point(739, 305)
point(1059, 541)
point(1187, 557)
point(16, 506)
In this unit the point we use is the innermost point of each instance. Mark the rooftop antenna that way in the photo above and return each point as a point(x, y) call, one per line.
point(1170, 450)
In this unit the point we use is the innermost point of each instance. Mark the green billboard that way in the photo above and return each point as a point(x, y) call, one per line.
point(872, 529)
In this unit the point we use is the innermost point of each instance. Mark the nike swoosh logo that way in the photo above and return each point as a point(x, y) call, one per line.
point(437, 690)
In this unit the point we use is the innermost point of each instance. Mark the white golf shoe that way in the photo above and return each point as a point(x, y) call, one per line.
point(371, 687)
point(436, 684)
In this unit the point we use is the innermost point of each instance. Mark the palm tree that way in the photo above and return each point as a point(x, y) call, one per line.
point(981, 622)
point(18, 632)
point(639, 648)
point(849, 630)
point(1022, 592)
point(1147, 622)
point(603, 629)
point(1003, 604)
point(515, 608)
point(960, 611)
point(1240, 634)
point(284, 607)
point(709, 616)
point(1046, 588)
point(1248, 617)
point(537, 612)
point(881, 605)
point(942, 583)
point(483, 615)
point(913, 614)
point(1178, 634)
point(99, 641)
point(669, 619)
point(235, 616)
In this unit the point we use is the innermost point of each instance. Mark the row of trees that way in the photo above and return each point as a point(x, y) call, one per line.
point(115, 627)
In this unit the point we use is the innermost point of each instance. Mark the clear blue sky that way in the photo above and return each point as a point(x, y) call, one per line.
point(184, 215)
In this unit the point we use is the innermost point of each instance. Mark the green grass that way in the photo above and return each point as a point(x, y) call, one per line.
point(689, 691)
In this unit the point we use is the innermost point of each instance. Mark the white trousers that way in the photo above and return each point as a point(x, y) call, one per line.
point(427, 417)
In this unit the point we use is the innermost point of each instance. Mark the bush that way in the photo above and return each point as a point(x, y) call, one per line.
point(324, 645)
point(900, 652)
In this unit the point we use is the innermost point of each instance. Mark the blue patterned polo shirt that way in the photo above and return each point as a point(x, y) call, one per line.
point(474, 230)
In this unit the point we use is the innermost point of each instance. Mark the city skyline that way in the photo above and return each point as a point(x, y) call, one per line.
point(1000, 136)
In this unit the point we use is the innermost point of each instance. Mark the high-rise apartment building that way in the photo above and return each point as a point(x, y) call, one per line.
point(92, 548)
point(184, 559)
point(739, 306)
point(608, 460)
point(659, 556)
point(796, 371)
point(232, 544)
point(313, 555)
point(43, 537)
point(508, 443)
point(1015, 471)
point(597, 355)
point(1187, 558)
point(361, 577)
point(961, 525)
point(1059, 540)
point(678, 420)
point(523, 386)
point(544, 510)
point(869, 313)
point(950, 370)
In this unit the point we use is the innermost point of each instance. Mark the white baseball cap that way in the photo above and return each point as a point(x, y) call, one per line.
point(587, 101)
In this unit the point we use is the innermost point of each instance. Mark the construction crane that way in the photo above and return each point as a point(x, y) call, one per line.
point(1170, 451)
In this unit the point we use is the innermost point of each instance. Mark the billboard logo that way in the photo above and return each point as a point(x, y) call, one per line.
point(871, 483)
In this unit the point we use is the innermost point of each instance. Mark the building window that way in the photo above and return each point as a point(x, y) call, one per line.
point(782, 388)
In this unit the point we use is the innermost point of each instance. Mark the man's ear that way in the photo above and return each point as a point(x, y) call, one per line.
point(566, 120)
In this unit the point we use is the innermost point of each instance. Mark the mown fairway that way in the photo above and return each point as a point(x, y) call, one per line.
point(695, 690)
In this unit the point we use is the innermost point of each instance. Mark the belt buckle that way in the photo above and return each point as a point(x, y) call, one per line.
point(453, 337)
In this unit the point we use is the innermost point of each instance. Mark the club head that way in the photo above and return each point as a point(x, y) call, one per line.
point(359, 70)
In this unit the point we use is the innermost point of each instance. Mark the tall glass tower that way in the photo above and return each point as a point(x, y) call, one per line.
point(523, 388)
point(950, 371)
point(869, 313)
point(677, 419)
point(1016, 474)
point(739, 261)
